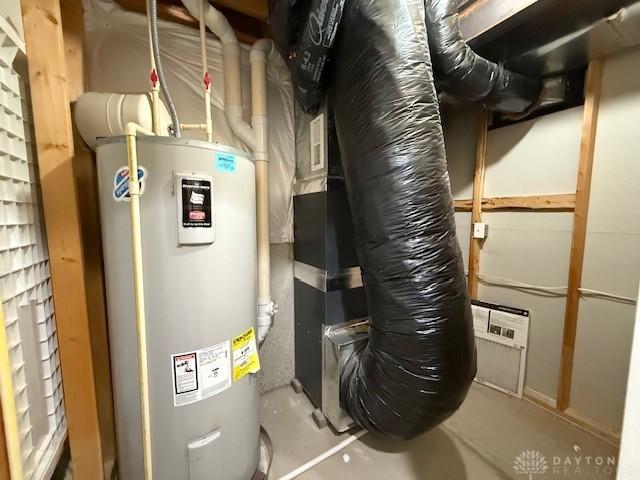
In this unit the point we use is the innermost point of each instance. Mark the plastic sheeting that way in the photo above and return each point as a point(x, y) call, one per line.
point(417, 367)
point(118, 61)
point(460, 72)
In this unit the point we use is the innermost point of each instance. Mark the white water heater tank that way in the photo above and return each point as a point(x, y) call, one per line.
point(199, 256)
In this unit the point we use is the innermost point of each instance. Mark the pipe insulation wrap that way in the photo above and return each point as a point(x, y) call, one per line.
point(460, 72)
point(155, 46)
point(417, 367)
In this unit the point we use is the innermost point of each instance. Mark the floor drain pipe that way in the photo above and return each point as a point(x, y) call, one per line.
point(322, 457)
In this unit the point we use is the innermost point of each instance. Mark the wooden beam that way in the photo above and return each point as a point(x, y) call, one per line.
point(4, 456)
point(87, 187)
point(54, 144)
point(561, 202)
point(483, 15)
point(593, 85)
point(463, 205)
point(251, 29)
point(476, 202)
point(257, 9)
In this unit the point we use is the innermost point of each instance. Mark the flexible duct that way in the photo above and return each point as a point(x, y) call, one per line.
point(420, 360)
point(460, 72)
point(155, 45)
point(304, 32)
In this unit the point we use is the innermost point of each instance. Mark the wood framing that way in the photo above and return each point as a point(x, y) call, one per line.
point(55, 148)
point(248, 28)
point(593, 85)
point(87, 189)
point(4, 457)
point(562, 202)
point(572, 416)
point(257, 9)
point(476, 203)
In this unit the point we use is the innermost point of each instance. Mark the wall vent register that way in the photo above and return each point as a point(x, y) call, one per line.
point(501, 338)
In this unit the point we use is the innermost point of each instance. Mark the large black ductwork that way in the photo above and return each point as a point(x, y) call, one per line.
point(460, 72)
point(304, 32)
point(420, 359)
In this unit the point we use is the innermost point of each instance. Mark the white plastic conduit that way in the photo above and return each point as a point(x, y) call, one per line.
point(133, 130)
point(253, 136)
point(322, 457)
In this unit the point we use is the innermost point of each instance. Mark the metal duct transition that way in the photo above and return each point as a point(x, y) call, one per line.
point(460, 72)
point(420, 360)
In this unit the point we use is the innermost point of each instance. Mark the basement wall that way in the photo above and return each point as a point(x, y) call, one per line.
point(540, 156)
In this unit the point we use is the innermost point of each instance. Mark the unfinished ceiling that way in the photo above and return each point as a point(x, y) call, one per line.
point(247, 17)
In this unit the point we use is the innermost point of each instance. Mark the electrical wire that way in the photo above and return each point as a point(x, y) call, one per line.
point(554, 291)
point(166, 94)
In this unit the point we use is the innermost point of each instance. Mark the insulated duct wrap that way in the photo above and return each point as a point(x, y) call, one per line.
point(304, 32)
point(460, 72)
point(420, 360)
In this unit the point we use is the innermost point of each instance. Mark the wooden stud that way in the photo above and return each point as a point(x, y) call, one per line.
point(587, 144)
point(55, 148)
point(476, 203)
point(4, 457)
point(87, 187)
point(560, 202)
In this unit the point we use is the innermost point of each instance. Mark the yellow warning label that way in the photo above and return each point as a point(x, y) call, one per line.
point(245, 355)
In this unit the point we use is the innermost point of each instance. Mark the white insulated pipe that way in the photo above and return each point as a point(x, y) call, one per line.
point(323, 456)
point(220, 27)
point(155, 86)
point(206, 79)
point(258, 60)
point(254, 136)
point(138, 285)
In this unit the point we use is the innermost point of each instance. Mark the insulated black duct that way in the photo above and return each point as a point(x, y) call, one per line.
point(460, 72)
point(420, 360)
point(304, 32)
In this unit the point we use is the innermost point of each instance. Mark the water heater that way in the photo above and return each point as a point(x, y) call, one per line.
point(198, 220)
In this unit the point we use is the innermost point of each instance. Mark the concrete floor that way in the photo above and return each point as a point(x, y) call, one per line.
point(481, 441)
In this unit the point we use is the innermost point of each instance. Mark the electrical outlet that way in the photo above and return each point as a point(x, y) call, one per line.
point(480, 230)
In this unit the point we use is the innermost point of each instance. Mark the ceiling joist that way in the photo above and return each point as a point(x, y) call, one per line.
point(245, 16)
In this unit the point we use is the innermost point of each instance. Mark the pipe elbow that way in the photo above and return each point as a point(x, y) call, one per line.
point(261, 50)
point(266, 309)
point(215, 21)
point(238, 125)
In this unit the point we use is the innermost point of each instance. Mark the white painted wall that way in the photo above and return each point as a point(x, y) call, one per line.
point(540, 156)
point(629, 464)
point(612, 255)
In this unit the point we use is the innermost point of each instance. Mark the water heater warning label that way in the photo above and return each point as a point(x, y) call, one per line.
point(196, 203)
point(245, 355)
point(201, 374)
